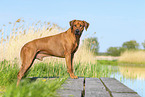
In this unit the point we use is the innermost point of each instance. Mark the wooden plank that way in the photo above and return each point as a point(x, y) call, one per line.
point(92, 87)
point(73, 84)
point(125, 95)
point(95, 88)
point(72, 88)
point(115, 86)
point(69, 93)
point(117, 89)
point(97, 94)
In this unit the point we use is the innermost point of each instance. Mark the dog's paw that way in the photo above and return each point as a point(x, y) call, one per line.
point(73, 76)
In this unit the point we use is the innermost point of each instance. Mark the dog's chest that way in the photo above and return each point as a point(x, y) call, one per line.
point(75, 47)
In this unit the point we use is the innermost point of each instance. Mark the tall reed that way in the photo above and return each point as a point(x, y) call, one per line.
point(21, 32)
point(133, 57)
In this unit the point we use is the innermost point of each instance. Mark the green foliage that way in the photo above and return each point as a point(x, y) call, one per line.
point(39, 88)
point(92, 44)
point(132, 44)
point(115, 51)
point(8, 73)
point(59, 70)
point(129, 45)
point(92, 70)
point(143, 44)
point(47, 70)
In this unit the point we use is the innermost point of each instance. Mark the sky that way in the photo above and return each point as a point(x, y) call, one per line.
point(114, 21)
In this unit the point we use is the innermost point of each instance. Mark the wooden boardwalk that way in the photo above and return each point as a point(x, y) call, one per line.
point(95, 87)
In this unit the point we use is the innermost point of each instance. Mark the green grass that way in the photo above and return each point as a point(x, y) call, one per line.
point(47, 70)
point(8, 73)
point(42, 88)
point(118, 63)
point(108, 62)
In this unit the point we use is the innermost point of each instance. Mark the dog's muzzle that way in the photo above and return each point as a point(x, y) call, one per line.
point(77, 32)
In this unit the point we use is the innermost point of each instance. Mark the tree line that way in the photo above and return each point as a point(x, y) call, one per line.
point(93, 45)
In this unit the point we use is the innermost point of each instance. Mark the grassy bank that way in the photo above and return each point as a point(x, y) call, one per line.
point(108, 62)
point(39, 88)
point(128, 58)
point(44, 88)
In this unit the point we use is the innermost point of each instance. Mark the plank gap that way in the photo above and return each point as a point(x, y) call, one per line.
point(107, 89)
point(83, 91)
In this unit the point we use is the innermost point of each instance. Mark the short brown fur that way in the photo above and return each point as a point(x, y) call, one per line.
point(62, 45)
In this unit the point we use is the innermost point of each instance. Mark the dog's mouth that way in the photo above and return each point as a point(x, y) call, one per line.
point(77, 33)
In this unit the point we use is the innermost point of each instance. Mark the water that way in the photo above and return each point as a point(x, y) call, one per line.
point(133, 77)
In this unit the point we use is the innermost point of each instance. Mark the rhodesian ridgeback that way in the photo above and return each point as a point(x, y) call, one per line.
point(62, 45)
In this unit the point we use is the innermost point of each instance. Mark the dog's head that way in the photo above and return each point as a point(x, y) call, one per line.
point(77, 26)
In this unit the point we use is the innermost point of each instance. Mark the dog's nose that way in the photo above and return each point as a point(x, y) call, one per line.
point(77, 30)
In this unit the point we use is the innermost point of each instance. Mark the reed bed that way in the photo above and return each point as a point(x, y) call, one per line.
point(20, 33)
point(133, 57)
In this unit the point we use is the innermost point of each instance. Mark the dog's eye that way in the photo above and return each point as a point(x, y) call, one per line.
point(75, 25)
point(80, 25)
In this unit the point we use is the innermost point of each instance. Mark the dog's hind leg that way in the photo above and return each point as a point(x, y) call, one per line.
point(27, 57)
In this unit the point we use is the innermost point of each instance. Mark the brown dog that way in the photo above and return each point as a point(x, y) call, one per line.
point(62, 45)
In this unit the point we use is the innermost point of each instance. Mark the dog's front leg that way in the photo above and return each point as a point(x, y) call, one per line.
point(72, 57)
point(69, 58)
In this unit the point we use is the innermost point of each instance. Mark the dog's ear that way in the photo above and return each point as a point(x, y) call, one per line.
point(71, 22)
point(86, 25)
